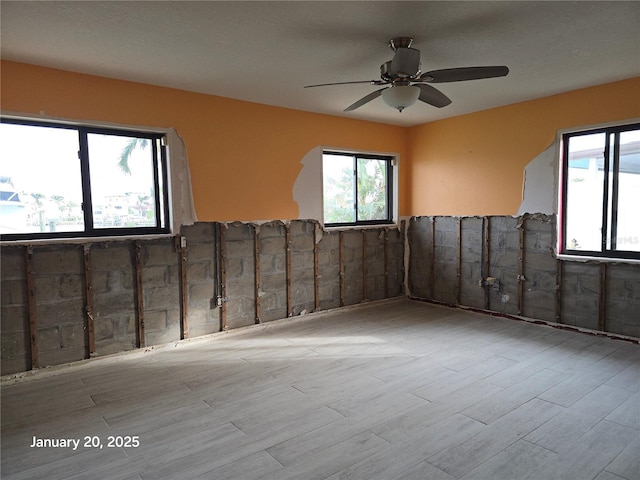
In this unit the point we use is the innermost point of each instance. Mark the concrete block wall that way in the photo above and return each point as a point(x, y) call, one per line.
point(301, 247)
point(98, 298)
point(114, 296)
point(301, 269)
point(529, 279)
point(202, 310)
point(239, 272)
point(273, 271)
point(14, 311)
point(329, 270)
point(59, 303)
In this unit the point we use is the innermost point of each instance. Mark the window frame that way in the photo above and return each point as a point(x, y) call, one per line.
point(609, 196)
point(160, 177)
point(391, 162)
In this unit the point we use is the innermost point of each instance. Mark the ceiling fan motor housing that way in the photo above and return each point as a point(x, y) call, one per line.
point(405, 64)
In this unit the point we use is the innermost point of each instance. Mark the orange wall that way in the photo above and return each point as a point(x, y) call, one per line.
point(473, 164)
point(244, 157)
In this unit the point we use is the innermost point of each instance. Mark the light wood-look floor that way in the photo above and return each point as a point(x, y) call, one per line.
point(396, 390)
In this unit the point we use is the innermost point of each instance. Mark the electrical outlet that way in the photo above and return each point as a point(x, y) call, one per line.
point(183, 242)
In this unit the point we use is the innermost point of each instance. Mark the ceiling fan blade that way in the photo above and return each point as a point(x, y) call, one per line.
point(406, 62)
point(463, 73)
point(370, 82)
point(365, 99)
point(433, 96)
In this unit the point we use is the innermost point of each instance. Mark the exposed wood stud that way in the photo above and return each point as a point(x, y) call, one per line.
point(223, 280)
point(140, 340)
point(521, 279)
point(288, 268)
point(485, 264)
point(341, 265)
point(316, 271)
point(31, 299)
point(386, 266)
point(89, 307)
point(432, 267)
point(256, 264)
point(558, 293)
point(364, 265)
point(181, 247)
point(458, 259)
point(602, 300)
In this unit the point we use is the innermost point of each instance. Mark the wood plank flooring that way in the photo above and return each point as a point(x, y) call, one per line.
point(391, 390)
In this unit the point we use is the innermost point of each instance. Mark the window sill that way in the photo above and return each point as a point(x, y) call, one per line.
point(84, 240)
point(591, 259)
point(337, 228)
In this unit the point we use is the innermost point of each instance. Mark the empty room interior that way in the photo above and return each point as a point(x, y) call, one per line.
point(320, 240)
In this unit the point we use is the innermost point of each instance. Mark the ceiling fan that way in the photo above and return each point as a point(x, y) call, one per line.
point(405, 82)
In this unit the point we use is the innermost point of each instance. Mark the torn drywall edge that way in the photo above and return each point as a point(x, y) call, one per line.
point(540, 183)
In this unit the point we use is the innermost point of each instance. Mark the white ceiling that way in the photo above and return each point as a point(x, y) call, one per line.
point(266, 51)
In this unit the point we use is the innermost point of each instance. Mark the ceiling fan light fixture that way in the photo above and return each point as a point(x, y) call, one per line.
point(401, 96)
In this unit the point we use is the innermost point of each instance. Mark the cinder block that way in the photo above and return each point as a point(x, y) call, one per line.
point(14, 345)
point(109, 256)
point(155, 276)
point(238, 231)
point(170, 334)
point(14, 318)
point(155, 321)
point(199, 232)
point(58, 259)
point(302, 227)
point(61, 356)
point(301, 243)
point(200, 293)
point(203, 322)
point(49, 339)
point(114, 303)
point(273, 282)
point(199, 252)
point(103, 329)
point(60, 312)
point(197, 273)
point(352, 239)
point(272, 245)
point(72, 286)
point(159, 253)
point(272, 229)
point(14, 291)
point(161, 297)
point(15, 365)
point(13, 262)
point(73, 335)
point(239, 248)
point(302, 260)
point(234, 267)
point(110, 347)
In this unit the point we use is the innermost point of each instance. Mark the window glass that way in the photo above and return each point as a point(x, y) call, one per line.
point(356, 189)
point(40, 181)
point(600, 202)
point(64, 181)
point(338, 189)
point(122, 181)
point(372, 189)
point(584, 192)
point(628, 221)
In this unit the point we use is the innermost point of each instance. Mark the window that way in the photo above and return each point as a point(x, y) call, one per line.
point(357, 189)
point(59, 180)
point(600, 195)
